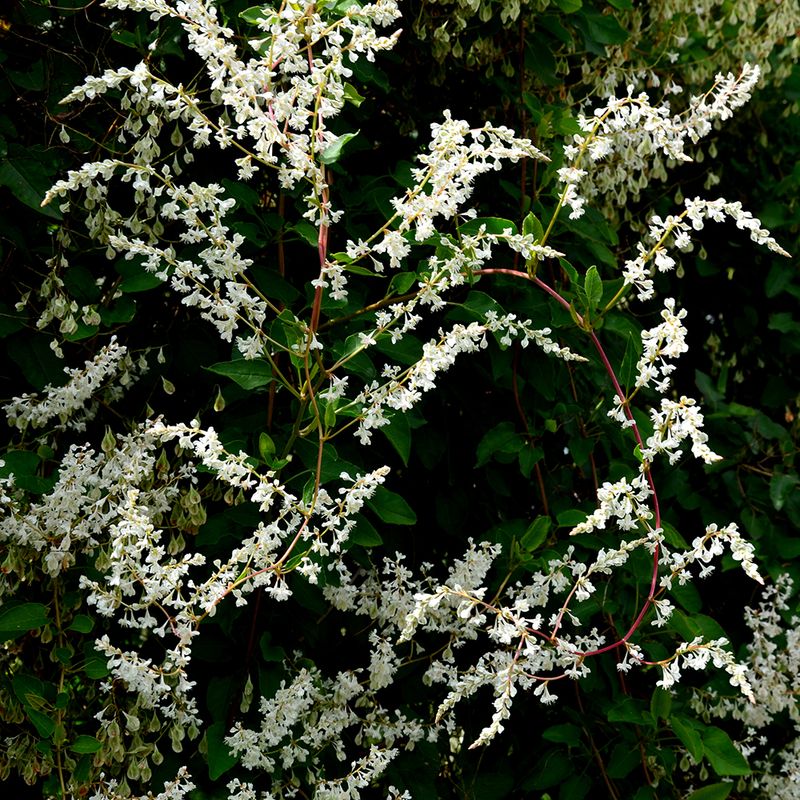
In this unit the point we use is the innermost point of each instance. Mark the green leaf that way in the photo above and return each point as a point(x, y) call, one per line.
point(365, 534)
point(402, 281)
point(81, 284)
point(357, 269)
point(497, 226)
point(32, 78)
point(81, 623)
point(626, 709)
point(85, 744)
point(569, 6)
point(565, 124)
point(339, 7)
point(255, 13)
point(82, 332)
point(604, 28)
point(624, 760)
point(220, 758)
point(552, 769)
point(715, 791)
point(270, 652)
point(38, 363)
point(529, 456)
point(551, 23)
point(266, 447)
point(532, 226)
point(503, 439)
point(627, 370)
point(539, 59)
point(59, 734)
point(135, 278)
point(778, 278)
point(294, 561)
point(20, 463)
point(398, 432)
point(29, 690)
point(688, 596)
point(306, 231)
point(479, 303)
point(43, 724)
point(274, 286)
point(248, 374)
point(95, 665)
point(781, 488)
point(11, 320)
point(308, 491)
point(535, 536)
point(352, 96)
point(407, 351)
point(127, 39)
point(368, 72)
point(696, 625)
point(660, 704)
point(783, 322)
point(593, 286)
point(566, 733)
point(20, 619)
point(570, 518)
point(570, 271)
point(391, 508)
point(28, 182)
point(674, 538)
point(124, 310)
point(722, 754)
point(334, 150)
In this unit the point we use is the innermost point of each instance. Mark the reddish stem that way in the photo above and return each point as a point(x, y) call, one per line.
point(628, 413)
point(322, 249)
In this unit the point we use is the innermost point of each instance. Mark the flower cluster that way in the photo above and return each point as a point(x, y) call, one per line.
point(75, 402)
point(708, 547)
point(120, 521)
point(666, 340)
point(176, 789)
point(677, 229)
point(770, 723)
point(629, 141)
point(674, 422)
point(274, 106)
point(312, 714)
point(405, 388)
point(456, 157)
point(623, 501)
point(696, 655)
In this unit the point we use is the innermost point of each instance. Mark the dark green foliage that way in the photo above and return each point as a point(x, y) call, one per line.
point(510, 449)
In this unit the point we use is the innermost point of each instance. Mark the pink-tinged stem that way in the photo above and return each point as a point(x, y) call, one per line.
point(623, 399)
point(322, 249)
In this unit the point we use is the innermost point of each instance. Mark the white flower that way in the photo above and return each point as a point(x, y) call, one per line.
point(67, 401)
point(675, 422)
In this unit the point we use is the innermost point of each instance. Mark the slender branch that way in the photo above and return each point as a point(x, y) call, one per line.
point(646, 468)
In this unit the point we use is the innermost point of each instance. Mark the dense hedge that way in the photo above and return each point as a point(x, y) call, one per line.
point(353, 450)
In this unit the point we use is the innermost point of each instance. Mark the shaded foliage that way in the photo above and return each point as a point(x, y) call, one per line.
point(510, 449)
